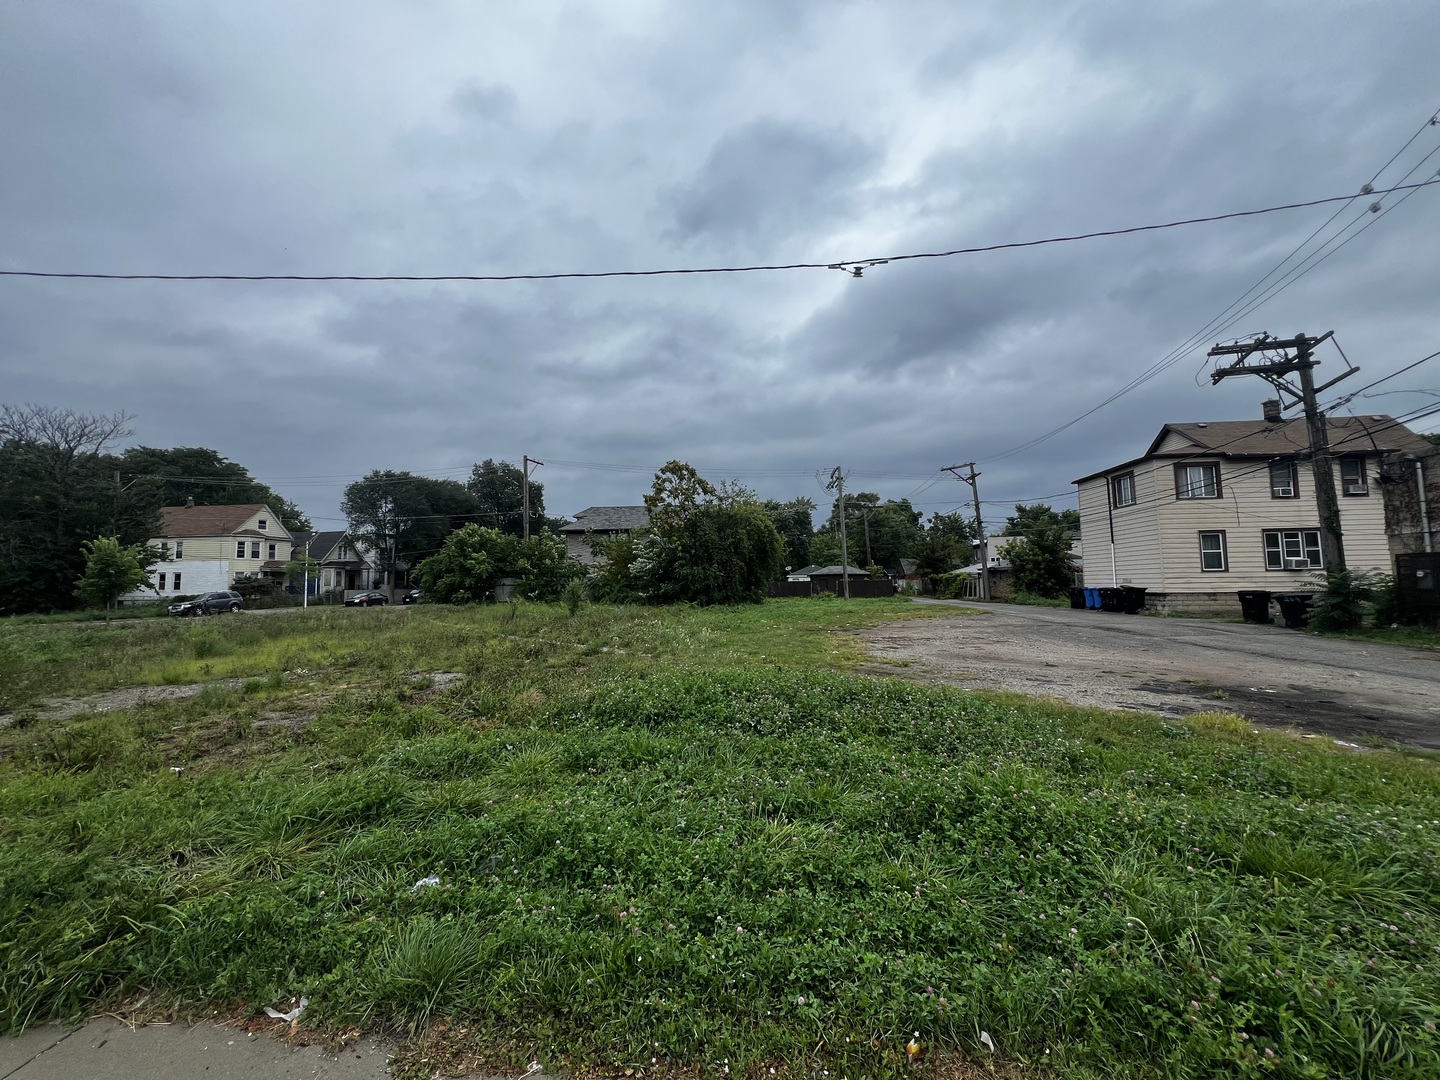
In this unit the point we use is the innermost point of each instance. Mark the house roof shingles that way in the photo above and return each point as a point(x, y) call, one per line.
point(608, 519)
point(178, 522)
point(1264, 439)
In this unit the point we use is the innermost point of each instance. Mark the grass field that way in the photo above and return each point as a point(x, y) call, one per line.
point(696, 841)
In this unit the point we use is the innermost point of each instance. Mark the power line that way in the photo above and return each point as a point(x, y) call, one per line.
point(854, 266)
point(1220, 323)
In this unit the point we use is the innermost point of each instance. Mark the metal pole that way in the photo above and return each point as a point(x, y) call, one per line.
point(305, 577)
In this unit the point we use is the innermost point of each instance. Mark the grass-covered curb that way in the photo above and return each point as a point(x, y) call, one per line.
point(1417, 637)
point(714, 852)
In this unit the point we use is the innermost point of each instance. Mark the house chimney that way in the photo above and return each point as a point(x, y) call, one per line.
point(1272, 410)
point(189, 502)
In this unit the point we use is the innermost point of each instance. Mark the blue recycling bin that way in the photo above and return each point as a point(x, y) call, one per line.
point(1092, 599)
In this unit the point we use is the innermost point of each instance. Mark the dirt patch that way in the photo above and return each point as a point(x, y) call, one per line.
point(130, 697)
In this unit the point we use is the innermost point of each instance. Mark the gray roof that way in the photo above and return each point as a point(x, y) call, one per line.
point(608, 519)
point(323, 545)
point(1264, 439)
point(834, 571)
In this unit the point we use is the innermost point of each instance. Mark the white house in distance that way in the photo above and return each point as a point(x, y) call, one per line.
point(211, 547)
point(1213, 508)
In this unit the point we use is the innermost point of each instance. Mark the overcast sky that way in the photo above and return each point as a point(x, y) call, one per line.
point(466, 137)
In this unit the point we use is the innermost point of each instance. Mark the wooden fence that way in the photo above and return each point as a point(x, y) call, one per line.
point(860, 587)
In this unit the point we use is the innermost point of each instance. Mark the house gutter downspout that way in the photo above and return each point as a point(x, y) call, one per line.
point(1110, 514)
point(1424, 508)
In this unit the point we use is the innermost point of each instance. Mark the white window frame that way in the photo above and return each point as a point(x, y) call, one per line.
point(160, 585)
point(1291, 479)
point(1222, 551)
point(1189, 489)
point(239, 549)
point(261, 525)
point(254, 549)
point(271, 550)
point(179, 550)
point(176, 584)
point(1118, 496)
point(1360, 483)
point(1291, 545)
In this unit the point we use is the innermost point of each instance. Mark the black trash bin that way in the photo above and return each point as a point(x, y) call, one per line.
point(1295, 610)
point(1077, 598)
point(1255, 605)
point(1132, 599)
point(1110, 600)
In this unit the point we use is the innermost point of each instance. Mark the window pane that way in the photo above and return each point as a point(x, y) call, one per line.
point(254, 549)
point(1311, 540)
point(1273, 557)
point(162, 581)
point(177, 582)
point(1282, 480)
point(179, 549)
point(1198, 482)
point(239, 549)
point(1212, 551)
point(1124, 489)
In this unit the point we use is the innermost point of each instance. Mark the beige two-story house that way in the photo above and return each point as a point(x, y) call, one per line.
point(205, 548)
point(596, 524)
point(1213, 508)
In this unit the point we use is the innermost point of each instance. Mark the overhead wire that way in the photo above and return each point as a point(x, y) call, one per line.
point(1225, 320)
point(850, 265)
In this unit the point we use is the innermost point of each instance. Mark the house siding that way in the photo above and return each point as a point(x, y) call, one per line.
point(1138, 556)
point(209, 562)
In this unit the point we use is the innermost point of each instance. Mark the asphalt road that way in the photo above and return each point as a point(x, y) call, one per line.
point(1272, 676)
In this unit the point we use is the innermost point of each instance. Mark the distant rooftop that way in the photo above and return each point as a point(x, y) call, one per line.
point(608, 519)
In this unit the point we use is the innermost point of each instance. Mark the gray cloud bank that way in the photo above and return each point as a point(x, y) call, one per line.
point(456, 138)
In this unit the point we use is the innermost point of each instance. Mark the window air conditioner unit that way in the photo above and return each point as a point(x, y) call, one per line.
point(1297, 564)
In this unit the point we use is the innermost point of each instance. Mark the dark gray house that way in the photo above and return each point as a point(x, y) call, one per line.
point(599, 523)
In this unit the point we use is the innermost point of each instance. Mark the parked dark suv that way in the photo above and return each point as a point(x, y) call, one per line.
point(210, 603)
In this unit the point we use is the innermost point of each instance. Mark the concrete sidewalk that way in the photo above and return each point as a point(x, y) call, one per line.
point(106, 1048)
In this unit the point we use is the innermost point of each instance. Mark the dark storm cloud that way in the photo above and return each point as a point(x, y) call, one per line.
point(769, 179)
point(455, 139)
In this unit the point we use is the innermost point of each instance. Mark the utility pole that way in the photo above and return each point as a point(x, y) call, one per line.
point(837, 484)
point(979, 523)
point(525, 493)
point(1279, 357)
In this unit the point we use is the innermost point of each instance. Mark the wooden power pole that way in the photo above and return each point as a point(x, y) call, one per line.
point(837, 484)
point(527, 461)
point(979, 523)
point(1276, 359)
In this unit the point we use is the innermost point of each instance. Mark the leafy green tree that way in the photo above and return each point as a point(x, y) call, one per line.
point(57, 490)
point(499, 490)
point(474, 559)
point(613, 579)
point(403, 518)
point(716, 555)
point(879, 532)
point(794, 521)
point(111, 570)
point(169, 477)
point(824, 550)
point(677, 493)
point(947, 545)
point(1041, 560)
point(1028, 517)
